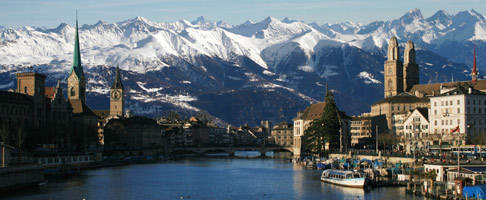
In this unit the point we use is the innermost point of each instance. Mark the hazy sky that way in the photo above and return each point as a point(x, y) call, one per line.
point(50, 13)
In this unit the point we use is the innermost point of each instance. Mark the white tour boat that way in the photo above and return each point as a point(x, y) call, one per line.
point(345, 178)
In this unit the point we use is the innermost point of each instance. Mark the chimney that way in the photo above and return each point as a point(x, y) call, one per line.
point(470, 90)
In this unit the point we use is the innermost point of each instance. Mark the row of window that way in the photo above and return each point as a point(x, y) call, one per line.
point(15, 110)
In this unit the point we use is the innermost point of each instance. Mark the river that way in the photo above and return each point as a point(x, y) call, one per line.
point(204, 178)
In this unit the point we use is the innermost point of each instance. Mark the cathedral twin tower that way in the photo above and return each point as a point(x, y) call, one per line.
point(400, 77)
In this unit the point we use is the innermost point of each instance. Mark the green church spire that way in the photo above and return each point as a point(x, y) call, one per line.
point(77, 68)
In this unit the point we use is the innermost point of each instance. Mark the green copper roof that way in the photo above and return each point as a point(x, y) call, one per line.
point(117, 84)
point(77, 68)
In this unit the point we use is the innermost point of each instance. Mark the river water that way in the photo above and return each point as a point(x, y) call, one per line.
point(204, 178)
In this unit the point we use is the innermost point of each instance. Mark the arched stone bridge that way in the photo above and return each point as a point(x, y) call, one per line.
point(230, 150)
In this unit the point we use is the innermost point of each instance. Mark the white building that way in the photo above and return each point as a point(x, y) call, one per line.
point(416, 130)
point(457, 111)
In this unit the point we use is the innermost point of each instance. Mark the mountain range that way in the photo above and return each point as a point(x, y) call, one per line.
point(245, 73)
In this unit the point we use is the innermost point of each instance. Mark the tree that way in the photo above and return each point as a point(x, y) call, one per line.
point(203, 116)
point(325, 129)
point(173, 116)
point(19, 139)
point(388, 138)
point(5, 133)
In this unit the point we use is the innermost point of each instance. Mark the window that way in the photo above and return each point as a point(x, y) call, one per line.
point(435, 122)
point(25, 89)
point(459, 102)
point(390, 70)
point(450, 103)
point(446, 103)
point(435, 112)
point(458, 110)
point(435, 103)
point(390, 83)
point(72, 93)
point(474, 101)
point(442, 103)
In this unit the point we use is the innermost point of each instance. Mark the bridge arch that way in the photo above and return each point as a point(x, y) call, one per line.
point(183, 151)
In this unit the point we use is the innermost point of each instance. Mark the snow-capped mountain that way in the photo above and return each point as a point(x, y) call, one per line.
point(243, 73)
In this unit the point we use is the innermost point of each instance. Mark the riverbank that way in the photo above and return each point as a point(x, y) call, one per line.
point(18, 177)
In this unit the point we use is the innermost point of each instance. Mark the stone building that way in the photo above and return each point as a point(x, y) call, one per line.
point(133, 133)
point(361, 131)
point(312, 112)
point(283, 134)
point(85, 121)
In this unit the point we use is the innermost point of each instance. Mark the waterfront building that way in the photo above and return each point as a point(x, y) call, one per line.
point(415, 136)
point(361, 130)
point(312, 112)
point(282, 134)
point(132, 133)
point(477, 173)
point(457, 113)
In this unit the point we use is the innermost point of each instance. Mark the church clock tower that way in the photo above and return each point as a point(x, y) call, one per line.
point(116, 96)
point(393, 70)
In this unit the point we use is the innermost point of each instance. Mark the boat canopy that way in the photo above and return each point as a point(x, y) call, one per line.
point(477, 191)
point(338, 172)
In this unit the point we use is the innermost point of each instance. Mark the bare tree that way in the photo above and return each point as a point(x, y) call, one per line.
point(173, 116)
point(203, 116)
point(5, 133)
point(19, 139)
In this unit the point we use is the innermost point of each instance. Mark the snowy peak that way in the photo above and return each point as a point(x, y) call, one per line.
point(412, 16)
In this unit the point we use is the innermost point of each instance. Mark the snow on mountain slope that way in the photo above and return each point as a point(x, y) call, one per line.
point(201, 64)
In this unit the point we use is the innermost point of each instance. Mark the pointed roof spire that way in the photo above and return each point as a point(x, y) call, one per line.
point(117, 84)
point(77, 68)
point(474, 67)
point(474, 72)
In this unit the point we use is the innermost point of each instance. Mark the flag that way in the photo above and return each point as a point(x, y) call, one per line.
point(455, 129)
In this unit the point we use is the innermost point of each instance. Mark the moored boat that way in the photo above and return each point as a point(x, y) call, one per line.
point(344, 178)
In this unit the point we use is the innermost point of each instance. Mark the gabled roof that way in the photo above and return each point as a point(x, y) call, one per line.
point(424, 112)
point(281, 125)
point(403, 97)
point(433, 89)
point(103, 114)
point(463, 89)
point(314, 111)
point(80, 108)
point(50, 92)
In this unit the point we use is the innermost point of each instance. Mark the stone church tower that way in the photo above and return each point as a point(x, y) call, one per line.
point(410, 68)
point(116, 96)
point(76, 79)
point(393, 70)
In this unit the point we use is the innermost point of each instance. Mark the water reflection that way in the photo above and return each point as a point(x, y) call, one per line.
point(204, 178)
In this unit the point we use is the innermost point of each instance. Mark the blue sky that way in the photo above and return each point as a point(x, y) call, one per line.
point(50, 13)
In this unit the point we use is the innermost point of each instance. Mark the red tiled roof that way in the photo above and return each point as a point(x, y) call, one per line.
point(50, 92)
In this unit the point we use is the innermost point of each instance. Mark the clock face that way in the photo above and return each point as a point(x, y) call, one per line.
point(115, 94)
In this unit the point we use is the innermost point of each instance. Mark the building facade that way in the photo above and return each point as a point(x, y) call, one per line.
point(312, 112)
point(361, 130)
point(457, 113)
point(283, 134)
